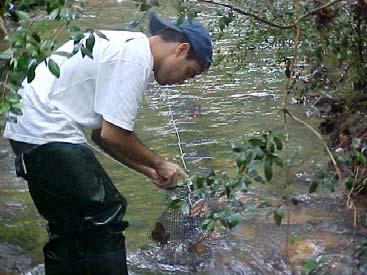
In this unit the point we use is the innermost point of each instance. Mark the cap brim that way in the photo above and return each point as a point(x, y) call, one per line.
point(157, 24)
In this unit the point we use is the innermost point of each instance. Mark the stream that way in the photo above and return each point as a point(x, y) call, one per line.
point(209, 111)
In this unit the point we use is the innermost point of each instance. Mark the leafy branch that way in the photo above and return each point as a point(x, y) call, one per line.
point(266, 21)
point(254, 158)
point(285, 103)
point(27, 48)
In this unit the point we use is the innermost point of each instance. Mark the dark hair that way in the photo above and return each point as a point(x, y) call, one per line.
point(170, 35)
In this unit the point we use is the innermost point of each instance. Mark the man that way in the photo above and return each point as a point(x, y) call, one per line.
point(68, 185)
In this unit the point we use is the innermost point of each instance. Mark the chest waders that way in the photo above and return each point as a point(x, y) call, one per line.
point(83, 208)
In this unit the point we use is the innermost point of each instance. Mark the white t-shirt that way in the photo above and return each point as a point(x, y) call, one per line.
point(109, 86)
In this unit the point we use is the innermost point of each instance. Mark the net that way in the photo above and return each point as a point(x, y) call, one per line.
point(181, 240)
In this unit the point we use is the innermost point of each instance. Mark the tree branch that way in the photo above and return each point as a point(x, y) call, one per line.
point(320, 138)
point(256, 17)
point(311, 12)
point(266, 21)
point(2, 26)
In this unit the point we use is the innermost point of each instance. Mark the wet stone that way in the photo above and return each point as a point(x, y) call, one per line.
point(13, 259)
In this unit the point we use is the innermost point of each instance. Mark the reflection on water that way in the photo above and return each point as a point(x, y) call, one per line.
point(208, 111)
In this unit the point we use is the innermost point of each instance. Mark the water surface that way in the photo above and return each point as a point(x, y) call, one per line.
point(208, 111)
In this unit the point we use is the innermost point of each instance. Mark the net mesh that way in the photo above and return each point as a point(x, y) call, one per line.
point(181, 239)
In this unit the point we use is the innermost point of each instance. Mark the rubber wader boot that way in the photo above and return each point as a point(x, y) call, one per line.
point(83, 208)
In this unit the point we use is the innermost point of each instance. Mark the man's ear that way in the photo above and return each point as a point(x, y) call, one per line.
point(182, 49)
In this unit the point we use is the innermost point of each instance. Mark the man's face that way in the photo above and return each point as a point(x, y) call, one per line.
point(176, 68)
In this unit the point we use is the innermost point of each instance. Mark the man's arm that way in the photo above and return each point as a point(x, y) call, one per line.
point(125, 147)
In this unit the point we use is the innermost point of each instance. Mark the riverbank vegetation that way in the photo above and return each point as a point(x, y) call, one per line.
point(320, 45)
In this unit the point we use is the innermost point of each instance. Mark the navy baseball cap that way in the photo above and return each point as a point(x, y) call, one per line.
point(195, 32)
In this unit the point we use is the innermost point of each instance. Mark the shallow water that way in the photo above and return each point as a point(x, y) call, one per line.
point(208, 111)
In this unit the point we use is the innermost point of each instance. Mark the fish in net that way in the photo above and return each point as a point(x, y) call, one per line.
point(181, 239)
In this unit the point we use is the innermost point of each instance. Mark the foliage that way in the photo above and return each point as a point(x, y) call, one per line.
point(255, 159)
point(314, 266)
point(28, 46)
point(326, 179)
point(331, 52)
point(145, 5)
point(361, 254)
point(355, 163)
point(333, 38)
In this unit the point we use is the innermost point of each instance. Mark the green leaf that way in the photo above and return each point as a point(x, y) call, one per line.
point(90, 42)
point(278, 161)
point(205, 223)
point(314, 186)
point(349, 183)
point(256, 141)
point(278, 216)
point(293, 238)
point(241, 162)
point(180, 20)
point(47, 44)
point(4, 107)
point(86, 52)
point(62, 53)
point(244, 183)
point(12, 97)
point(13, 87)
point(16, 110)
point(67, 14)
point(259, 154)
point(341, 160)
point(101, 35)
point(217, 215)
point(356, 143)
point(233, 220)
point(199, 181)
point(31, 70)
point(22, 15)
point(77, 37)
point(54, 68)
point(222, 24)
point(268, 171)
point(36, 37)
point(16, 38)
point(278, 143)
point(76, 48)
point(14, 62)
point(228, 190)
point(310, 265)
point(360, 158)
point(54, 14)
point(259, 179)
point(270, 147)
point(145, 7)
point(211, 226)
point(235, 146)
point(224, 223)
point(6, 55)
point(32, 49)
point(175, 204)
point(73, 28)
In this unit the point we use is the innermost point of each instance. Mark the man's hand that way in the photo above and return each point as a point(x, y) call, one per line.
point(125, 147)
point(169, 172)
